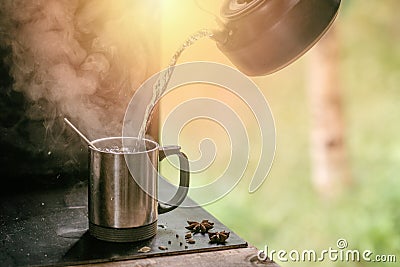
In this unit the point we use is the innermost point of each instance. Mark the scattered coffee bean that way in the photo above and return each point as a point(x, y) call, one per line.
point(188, 235)
point(144, 250)
point(163, 248)
point(191, 241)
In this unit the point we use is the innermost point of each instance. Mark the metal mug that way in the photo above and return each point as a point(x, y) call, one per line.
point(123, 186)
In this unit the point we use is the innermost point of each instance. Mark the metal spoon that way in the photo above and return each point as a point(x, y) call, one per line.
point(81, 134)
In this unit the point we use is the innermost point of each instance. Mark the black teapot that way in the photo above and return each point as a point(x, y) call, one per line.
point(264, 36)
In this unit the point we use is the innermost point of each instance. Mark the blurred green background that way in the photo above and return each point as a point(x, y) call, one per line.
point(286, 212)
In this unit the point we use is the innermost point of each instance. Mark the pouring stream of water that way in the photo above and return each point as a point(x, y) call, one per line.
point(162, 82)
point(158, 88)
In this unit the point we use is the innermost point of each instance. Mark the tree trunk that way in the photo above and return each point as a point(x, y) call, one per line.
point(330, 171)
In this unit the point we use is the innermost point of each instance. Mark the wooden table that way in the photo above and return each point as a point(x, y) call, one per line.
point(231, 257)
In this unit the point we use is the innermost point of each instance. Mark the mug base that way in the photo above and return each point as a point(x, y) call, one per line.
point(133, 234)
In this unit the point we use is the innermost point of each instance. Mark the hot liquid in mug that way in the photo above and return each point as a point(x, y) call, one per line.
point(123, 186)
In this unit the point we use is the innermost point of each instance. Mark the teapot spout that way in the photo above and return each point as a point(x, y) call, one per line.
point(220, 36)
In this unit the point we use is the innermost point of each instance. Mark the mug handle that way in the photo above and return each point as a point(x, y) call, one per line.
point(184, 174)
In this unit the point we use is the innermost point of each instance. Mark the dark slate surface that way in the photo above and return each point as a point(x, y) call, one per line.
point(49, 227)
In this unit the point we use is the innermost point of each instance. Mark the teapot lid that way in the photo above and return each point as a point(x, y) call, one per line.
point(235, 8)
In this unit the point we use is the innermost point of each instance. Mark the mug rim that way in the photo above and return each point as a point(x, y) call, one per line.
point(156, 145)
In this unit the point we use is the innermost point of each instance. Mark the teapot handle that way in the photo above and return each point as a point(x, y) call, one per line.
point(184, 175)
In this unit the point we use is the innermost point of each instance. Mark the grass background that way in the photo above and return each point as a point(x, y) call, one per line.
point(286, 213)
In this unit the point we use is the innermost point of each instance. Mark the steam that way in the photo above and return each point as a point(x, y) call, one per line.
point(81, 59)
point(76, 58)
